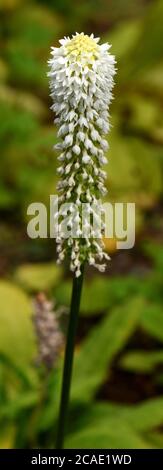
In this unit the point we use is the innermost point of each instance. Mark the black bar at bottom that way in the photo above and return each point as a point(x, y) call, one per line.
point(61, 458)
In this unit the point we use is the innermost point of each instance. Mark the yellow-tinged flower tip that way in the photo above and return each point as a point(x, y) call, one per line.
point(82, 44)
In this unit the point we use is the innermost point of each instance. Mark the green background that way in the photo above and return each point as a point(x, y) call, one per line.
point(117, 390)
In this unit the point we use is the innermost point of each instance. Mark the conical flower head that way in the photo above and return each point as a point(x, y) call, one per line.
point(81, 73)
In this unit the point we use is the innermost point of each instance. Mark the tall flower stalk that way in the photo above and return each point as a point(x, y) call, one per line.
point(81, 82)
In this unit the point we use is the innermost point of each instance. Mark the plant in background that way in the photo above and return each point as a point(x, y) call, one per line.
point(49, 336)
point(81, 82)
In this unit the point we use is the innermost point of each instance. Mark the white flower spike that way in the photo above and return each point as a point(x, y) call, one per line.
point(81, 81)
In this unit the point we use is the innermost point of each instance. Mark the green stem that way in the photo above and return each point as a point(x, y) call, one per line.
point(68, 362)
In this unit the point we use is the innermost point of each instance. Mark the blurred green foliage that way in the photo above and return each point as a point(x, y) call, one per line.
point(29, 401)
point(122, 314)
point(28, 168)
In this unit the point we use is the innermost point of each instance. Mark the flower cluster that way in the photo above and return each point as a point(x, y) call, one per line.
point(49, 336)
point(81, 82)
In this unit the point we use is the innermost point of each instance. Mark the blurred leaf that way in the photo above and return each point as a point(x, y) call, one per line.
point(3, 70)
point(34, 30)
point(7, 436)
point(148, 49)
point(47, 417)
point(151, 80)
point(7, 197)
point(28, 71)
point(9, 4)
point(146, 115)
point(146, 415)
point(156, 439)
point(25, 101)
point(16, 333)
point(40, 276)
point(139, 177)
point(23, 402)
point(62, 293)
point(155, 251)
point(37, 25)
point(141, 417)
point(100, 293)
point(152, 321)
point(17, 123)
point(123, 38)
point(101, 346)
point(141, 361)
point(15, 373)
point(32, 173)
point(114, 434)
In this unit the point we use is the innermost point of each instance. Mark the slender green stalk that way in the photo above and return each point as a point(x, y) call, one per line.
point(68, 362)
